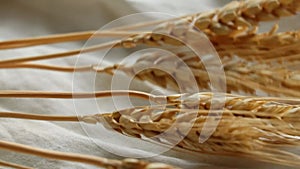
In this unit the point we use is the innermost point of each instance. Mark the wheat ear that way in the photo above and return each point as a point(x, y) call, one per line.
point(255, 76)
point(252, 127)
point(260, 46)
point(263, 46)
point(234, 18)
point(253, 11)
point(241, 76)
point(241, 17)
point(268, 125)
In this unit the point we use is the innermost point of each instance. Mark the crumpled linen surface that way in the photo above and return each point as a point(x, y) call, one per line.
point(33, 18)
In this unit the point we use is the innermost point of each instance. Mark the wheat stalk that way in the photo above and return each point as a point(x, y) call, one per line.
point(87, 159)
point(13, 165)
point(252, 127)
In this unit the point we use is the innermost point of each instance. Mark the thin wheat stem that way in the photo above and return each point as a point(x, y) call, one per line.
point(59, 38)
point(75, 36)
point(71, 95)
point(86, 159)
point(70, 69)
point(13, 165)
point(48, 67)
point(62, 54)
point(93, 160)
point(28, 116)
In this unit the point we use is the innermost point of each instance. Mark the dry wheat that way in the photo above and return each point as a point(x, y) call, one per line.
point(254, 77)
point(249, 127)
point(243, 16)
point(13, 165)
point(87, 159)
point(275, 79)
point(268, 47)
point(252, 127)
point(234, 18)
point(283, 45)
point(251, 47)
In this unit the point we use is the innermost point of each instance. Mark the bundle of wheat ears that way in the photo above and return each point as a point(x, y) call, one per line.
point(260, 123)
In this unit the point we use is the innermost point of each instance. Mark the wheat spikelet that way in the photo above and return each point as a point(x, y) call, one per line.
point(268, 47)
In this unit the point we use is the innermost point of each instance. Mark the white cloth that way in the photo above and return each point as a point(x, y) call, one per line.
point(41, 17)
